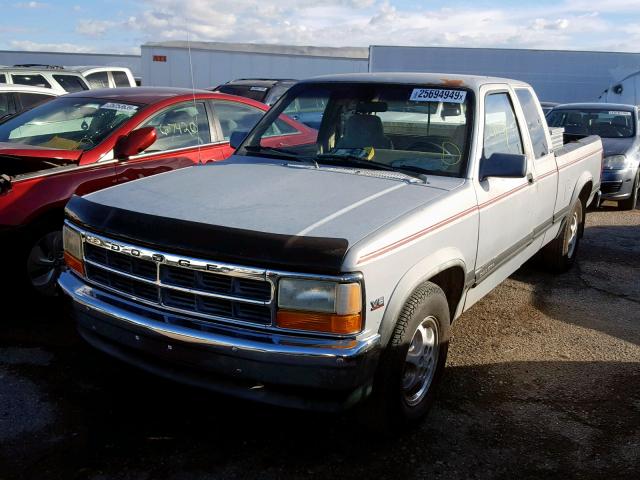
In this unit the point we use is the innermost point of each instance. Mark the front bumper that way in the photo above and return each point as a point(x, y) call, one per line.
point(286, 370)
point(617, 184)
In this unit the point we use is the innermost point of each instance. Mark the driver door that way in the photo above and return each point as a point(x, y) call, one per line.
point(506, 205)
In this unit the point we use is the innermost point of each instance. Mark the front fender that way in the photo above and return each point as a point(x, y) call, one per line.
point(419, 273)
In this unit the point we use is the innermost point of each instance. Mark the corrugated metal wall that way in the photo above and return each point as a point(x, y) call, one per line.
point(133, 62)
point(212, 68)
point(557, 76)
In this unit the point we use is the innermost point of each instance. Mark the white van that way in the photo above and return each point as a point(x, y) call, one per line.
point(625, 91)
point(106, 77)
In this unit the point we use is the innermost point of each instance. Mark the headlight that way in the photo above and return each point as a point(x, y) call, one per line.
point(72, 244)
point(615, 162)
point(318, 305)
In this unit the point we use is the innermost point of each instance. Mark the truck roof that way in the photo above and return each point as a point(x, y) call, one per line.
point(444, 79)
point(140, 95)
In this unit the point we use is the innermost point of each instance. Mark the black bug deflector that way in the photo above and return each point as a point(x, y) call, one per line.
point(225, 244)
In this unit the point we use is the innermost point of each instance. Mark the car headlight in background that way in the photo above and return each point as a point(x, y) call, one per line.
point(615, 162)
point(72, 244)
point(320, 306)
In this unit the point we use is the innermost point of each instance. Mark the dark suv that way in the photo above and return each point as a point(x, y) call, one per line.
point(260, 89)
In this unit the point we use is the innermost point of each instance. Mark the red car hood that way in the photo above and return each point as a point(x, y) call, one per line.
point(31, 151)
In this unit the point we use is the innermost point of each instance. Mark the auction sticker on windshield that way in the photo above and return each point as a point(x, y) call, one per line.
point(437, 95)
point(123, 107)
point(623, 113)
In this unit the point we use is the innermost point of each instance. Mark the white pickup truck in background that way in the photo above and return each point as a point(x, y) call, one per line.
point(326, 274)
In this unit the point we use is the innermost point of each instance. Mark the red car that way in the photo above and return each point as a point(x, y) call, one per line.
point(94, 139)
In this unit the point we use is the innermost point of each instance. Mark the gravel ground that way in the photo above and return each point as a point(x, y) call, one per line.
point(543, 381)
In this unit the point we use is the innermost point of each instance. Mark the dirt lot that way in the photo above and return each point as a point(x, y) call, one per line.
point(543, 382)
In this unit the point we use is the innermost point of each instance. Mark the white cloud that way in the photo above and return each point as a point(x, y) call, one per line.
point(94, 28)
point(32, 5)
point(48, 47)
point(568, 24)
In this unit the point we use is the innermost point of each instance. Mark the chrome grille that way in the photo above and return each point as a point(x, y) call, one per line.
point(214, 292)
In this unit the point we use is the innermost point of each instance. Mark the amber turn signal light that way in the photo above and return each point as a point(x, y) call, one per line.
point(319, 322)
point(73, 263)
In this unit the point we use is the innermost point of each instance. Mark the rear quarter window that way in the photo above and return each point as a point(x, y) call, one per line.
point(535, 123)
point(71, 83)
point(120, 79)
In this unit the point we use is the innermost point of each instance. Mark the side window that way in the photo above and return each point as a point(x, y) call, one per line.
point(535, 123)
point(121, 79)
point(71, 83)
point(501, 133)
point(181, 126)
point(5, 104)
point(98, 80)
point(236, 116)
point(34, 80)
point(3, 78)
point(29, 100)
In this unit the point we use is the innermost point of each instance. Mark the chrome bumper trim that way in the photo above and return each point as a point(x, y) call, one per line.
point(270, 347)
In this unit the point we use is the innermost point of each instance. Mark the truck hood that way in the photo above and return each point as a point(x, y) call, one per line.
point(265, 200)
point(618, 146)
point(8, 149)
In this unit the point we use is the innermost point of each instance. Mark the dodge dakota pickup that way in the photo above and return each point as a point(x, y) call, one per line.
point(326, 274)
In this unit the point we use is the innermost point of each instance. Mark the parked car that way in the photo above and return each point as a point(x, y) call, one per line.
point(18, 98)
point(548, 106)
point(53, 77)
point(324, 274)
point(106, 77)
point(260, 89)
point(617, 125)
point(82, 142)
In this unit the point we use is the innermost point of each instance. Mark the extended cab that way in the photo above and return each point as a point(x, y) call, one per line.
point(323, 274)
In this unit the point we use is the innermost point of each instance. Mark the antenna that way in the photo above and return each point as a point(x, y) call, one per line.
point(193, 93)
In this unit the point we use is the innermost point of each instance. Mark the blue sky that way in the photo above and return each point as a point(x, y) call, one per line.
point(120, 26)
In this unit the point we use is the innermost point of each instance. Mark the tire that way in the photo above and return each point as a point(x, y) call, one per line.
point(400, 396)
point(41, 261)
point(560, 254)
point(630, 203)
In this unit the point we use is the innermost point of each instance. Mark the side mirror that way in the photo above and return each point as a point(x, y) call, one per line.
point(507, 165)
point(134, 143)
point(237, 137)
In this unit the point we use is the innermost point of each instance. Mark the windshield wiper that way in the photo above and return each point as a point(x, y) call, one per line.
point(356, 160)
point(276, 153)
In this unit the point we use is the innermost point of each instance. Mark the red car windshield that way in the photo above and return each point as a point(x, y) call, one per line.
point(67, 123)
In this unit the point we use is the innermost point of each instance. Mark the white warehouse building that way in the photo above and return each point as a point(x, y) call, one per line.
point(556, 75)
point(214, 63)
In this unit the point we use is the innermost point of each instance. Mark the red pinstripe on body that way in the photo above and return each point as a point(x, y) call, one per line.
point(446, 221)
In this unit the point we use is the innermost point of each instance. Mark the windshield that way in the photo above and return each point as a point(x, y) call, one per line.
point(67, 123)
point(408, 128)
point(605, 123)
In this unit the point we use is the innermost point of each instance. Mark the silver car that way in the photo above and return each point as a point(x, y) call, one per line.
point(617, 125)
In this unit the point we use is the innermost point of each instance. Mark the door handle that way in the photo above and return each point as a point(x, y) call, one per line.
point(530, 178)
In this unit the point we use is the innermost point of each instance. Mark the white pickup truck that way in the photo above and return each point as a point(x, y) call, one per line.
point(327, 273)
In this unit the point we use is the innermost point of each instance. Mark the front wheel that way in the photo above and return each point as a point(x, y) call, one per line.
point(412, 364)
point(44, 262)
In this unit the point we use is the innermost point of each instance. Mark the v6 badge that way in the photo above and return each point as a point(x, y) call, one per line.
point(377, 303)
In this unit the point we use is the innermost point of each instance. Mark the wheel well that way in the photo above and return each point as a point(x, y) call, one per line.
point(52, 217)
point(585, 192)
point(584, 198)
point(451, 281)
